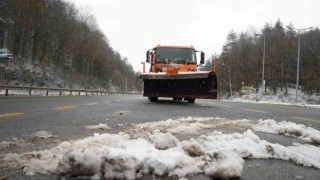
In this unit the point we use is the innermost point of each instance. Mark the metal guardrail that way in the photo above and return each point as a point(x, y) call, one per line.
point(60, 90)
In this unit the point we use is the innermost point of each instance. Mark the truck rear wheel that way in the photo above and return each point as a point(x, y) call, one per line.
point(191, 100)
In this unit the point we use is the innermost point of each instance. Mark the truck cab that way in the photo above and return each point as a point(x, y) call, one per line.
point(173, 58)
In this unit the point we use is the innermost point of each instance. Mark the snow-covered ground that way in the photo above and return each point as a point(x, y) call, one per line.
point(280, 98)
point(154, 148)
point(25, 73)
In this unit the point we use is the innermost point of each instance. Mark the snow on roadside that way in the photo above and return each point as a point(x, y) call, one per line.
point(315, 106)
point(190, 125)
point(150, 148)
point(280, 98)
point(44, 135)
point(307, 134)
point(15, 142)
point(99, 126)
point(307, 150)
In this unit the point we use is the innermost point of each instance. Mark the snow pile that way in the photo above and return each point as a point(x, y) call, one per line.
point(99, 126)
point(189, 125)
point(307, 150)
point(280, 98)
point(307, 134)
point(159, 153)
point(13, 143)
point(163, 140)
point(44, 135)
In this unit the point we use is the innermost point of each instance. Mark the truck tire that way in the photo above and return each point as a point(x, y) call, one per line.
point(153, 99)
point(191, 100)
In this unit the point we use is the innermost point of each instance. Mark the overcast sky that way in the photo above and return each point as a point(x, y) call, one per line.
point(134, 26)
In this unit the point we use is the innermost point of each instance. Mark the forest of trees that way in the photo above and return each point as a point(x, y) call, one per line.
point(55, 32)
point(243, 53)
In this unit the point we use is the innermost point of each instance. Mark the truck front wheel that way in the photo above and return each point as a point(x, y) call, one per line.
point(153, 99)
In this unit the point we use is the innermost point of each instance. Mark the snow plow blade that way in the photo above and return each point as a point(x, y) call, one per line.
point(185, 85)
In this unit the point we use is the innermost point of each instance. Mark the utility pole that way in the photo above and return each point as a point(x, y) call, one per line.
point(263, 60)
point(298, 65)
point(2, 66)
point(126, 84)
point(1, 75)
point(230, 82)
point(242, 89)
point(298, 60)
point(230, 88)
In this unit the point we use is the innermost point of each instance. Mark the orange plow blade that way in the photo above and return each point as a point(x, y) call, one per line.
point(187, 85)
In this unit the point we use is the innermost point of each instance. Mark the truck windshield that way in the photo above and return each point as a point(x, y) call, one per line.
point(176, 56)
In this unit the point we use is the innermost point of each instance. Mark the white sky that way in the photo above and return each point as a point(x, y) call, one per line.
point(134, 26)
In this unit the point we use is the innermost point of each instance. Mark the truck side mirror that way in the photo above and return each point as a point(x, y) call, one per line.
point(202, 58)
point(148, 56)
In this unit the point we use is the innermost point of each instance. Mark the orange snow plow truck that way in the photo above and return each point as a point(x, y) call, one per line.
point(174, 73)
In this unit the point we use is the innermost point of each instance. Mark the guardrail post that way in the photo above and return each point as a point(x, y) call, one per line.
point(29, 92)
point(70, 93)
point(79, 93)
point(86, 93)
point(7, 92)
point(47, 93)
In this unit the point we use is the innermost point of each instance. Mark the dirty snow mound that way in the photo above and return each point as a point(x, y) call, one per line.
point(163, 140)
point(44, 135)
point(99, 126)
point(13, 143)
point(307, 134)
point(149, 149)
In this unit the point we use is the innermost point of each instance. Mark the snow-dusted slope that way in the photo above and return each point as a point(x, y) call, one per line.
point(312, 101)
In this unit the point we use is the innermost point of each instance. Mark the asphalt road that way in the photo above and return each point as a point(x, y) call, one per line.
point(65, 116)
